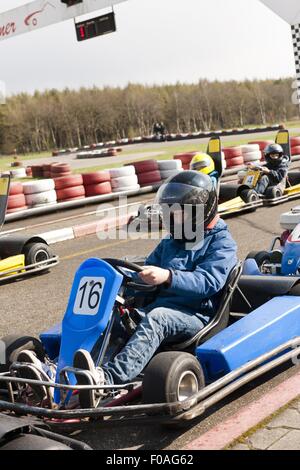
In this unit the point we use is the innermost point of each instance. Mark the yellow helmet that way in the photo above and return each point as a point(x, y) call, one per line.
point(203, 163)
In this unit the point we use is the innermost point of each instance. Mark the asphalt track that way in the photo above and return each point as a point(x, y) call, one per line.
point(33, 304)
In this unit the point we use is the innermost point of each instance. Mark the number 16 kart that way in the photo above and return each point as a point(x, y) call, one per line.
point(255, 330)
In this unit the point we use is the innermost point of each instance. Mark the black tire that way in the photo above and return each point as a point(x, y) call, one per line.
point(249, 195)
point(273, 193)
point(14, 344)
point(260, 257)
point(164, 374)
point(36, 252)
point(33, 442)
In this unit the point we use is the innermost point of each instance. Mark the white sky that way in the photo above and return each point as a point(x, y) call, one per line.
point(158, 41)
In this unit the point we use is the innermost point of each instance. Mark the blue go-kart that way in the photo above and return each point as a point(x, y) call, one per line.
point(255, 330)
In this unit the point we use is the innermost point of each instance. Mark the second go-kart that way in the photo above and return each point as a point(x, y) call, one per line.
point(21, 255)
point(182, 380)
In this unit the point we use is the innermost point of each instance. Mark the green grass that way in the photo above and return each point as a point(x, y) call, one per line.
point(167, 153)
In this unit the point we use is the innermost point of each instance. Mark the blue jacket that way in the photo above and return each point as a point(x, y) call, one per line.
point(197, 276)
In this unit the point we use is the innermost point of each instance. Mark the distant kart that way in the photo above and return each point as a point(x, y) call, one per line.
point(240, 197)
point(255, 330)
point(21, 255)
point(283, 257)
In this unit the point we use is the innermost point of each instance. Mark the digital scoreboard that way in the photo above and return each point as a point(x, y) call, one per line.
point(94, 27)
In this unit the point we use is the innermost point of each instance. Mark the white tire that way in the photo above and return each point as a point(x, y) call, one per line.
point(168, 165)
point(124, 181)
point(252, 156)
point(165, 174)
point(18, 173)
point(250, 148)
point(123, 171)
point(46, 197)
point(38, 186)
point(136, 187)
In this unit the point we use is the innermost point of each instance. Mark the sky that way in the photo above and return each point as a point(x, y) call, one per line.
point(157, 42)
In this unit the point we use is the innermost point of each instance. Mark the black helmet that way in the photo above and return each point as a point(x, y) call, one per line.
point(193, 190)
point(271, 149)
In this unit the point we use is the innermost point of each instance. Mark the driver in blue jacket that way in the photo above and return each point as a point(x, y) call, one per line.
point(190, 266)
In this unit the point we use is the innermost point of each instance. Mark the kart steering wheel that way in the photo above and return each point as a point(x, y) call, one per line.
point(127, 280)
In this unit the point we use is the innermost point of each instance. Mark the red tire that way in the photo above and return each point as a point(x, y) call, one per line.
point(15, 201)
point(149, 177)
point(37, 171)
point(60, 167)
point(68, 193)
point(15, 188)
point(232, 152)
point(186, 158)
point(68, 181)
point(17, 209)
point(145, 166)
point(262, 143)
point(98, 189)
point(236, 161)
point(296, 150)
point(96, 177)
point(295, 141)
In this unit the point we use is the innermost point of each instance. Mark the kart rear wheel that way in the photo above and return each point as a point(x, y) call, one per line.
point(261, 257)
point(273, 193)
point(14, 344)
point(36, 252)
point(172, 376)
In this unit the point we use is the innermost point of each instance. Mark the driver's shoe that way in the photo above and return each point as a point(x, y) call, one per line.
point(34, 369)
point(92, 376)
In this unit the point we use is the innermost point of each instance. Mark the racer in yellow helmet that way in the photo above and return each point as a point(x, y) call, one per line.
point(203, 163)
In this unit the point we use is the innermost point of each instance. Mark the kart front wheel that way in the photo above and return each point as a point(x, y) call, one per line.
point(249, 196)
point(36, 253)
point(172, 376)
point(261, 257)
point(12, 345)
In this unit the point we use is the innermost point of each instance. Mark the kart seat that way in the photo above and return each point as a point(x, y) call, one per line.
point(221, 318)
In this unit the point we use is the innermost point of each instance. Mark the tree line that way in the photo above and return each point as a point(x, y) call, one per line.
point(73, 118)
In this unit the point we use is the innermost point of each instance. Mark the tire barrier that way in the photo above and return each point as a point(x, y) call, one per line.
point(68, 181)
point(124, 182)
point(123, 171)
point(60, 169)
point(98, 189)
point(147, 172)
point(96, 177)
point(68, 194)
point(40, 192)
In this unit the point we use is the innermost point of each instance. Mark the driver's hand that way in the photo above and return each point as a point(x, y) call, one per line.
point(265, 170)
point(155, 276)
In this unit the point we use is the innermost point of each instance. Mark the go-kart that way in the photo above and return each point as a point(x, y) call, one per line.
point(182, 380)
point(21, 255)
point(237, 197)
point(283, 257)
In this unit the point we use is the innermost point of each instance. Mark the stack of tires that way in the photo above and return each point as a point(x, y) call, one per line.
point(18, 172)
point(16, 198)
point(97, 183)
point(47, 170)
point(251, 154)
point(69, 188)
point(37, 171)
point(263, 144)
point(148, 173)
point(124, 179)
point(185, 159)
point(40, 193)
point(59, 170)
point(295, 146)
point(233, 157)
point(169, 168)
